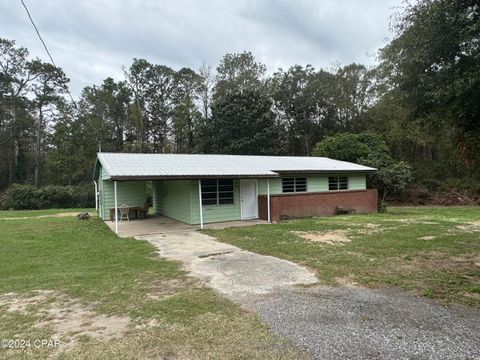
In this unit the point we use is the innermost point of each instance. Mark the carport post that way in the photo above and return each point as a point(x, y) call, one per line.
point(268, 200)
point(116, 206)
point(200, 202)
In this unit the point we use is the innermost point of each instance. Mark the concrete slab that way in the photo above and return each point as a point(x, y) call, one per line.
point(162, 225)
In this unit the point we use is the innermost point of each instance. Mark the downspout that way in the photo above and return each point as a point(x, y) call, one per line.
point(116, 206)
point(96, 196)
point(268, 200)
point(200, 203)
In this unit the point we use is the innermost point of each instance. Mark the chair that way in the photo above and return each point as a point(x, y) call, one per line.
point(124, 210)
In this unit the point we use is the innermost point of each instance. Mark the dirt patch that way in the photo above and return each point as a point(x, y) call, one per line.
point(469, 227)
point(335, 237)
point(68, 319)
point(428, 237)
point(369, 229)
point(440, 262)
point(347, 282)
point(416, 221)
point(22, 304)
point(339, 237)
point(59, 215)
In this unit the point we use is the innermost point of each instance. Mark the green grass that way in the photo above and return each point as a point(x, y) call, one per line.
point(388, 253)
point(86, 262)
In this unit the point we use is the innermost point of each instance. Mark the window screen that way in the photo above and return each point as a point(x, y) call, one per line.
point(338, 183)
point(294, 185)
point(217, 191)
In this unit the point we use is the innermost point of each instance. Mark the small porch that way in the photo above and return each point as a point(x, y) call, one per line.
point(158, 224)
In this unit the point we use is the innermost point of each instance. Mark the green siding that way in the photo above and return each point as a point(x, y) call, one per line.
point(357, 182)
point(131, 193)
point(315, 183)
point(172, 198)
point(215, 213)
point(104, 174)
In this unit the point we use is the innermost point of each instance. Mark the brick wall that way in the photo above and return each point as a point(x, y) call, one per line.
point(319, 203)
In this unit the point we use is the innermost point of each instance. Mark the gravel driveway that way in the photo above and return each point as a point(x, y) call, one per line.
point(331, 323)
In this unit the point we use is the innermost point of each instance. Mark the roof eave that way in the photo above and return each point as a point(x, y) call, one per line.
point(358, 171)
point(187, 177)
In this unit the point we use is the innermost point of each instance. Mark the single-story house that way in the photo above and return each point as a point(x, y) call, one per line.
point(198, 188)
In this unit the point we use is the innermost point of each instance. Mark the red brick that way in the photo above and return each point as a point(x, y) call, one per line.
point(317, 203)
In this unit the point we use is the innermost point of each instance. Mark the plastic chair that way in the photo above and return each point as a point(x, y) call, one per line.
point(124, 210)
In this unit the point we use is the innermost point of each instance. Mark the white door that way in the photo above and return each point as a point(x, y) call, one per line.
point(248, 199)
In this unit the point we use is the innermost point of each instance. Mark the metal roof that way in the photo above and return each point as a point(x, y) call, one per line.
point(129, 166)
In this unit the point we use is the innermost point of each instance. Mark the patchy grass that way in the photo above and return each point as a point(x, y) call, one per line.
point(108, 297)
point(434, 251)
point(5, 214)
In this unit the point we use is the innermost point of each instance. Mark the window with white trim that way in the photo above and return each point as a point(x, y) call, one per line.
point(294, 185)
point(338, 183)
point(217, 191)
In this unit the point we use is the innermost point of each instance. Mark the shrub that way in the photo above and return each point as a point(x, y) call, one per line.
point(28, 197)
point(382, 207)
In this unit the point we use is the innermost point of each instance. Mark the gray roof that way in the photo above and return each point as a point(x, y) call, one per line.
point(128, 166)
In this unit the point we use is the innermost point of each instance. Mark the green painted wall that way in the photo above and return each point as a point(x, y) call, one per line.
point(315, 183)
point(357, 182)
point(132, 193)
point(104, 173)
point(215, 213)
point(172, 198)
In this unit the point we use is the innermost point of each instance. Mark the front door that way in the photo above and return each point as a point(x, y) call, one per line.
point(248, 199)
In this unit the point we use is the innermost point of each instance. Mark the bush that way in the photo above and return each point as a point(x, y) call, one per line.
point(382, 207)
point(28, 197)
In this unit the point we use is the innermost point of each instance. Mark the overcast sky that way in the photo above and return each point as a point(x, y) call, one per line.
point(92, 39)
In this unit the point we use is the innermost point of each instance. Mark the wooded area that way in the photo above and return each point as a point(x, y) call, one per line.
point(422, 99)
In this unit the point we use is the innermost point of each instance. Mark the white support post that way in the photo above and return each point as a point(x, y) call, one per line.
point(116, 206)
point(268, 200)
point(200, 202)
point(96, 195)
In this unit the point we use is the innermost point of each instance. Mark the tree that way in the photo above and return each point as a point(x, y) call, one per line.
point(69, 162)
point(237, 74)
point(205, 89)
point(241, 123)
point(303, 102)
point(186, 115)
point(104, 111)
point(353, 94)
point(434, 62)
point(15, 78)
point(153, 92)
point(369, 149)
point(49, 86)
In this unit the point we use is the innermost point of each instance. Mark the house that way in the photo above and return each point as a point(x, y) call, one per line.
point(198, 189)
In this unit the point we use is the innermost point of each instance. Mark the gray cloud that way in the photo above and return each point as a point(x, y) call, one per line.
point(92, 39)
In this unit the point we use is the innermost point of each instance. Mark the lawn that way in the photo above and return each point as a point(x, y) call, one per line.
point(432, 251)
point(109, 297)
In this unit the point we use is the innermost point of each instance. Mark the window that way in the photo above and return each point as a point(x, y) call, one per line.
point(338, 183)
point(217, 191)
point(294, 185)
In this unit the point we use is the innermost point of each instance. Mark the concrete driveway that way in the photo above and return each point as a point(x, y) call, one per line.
point(231, 271)
point(330, 323)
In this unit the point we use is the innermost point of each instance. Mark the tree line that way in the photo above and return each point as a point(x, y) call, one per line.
point(421, 98)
